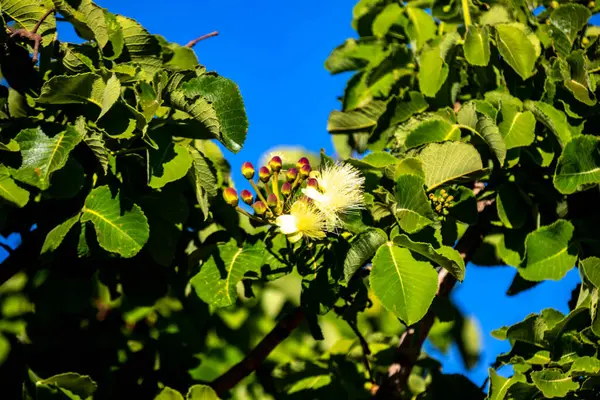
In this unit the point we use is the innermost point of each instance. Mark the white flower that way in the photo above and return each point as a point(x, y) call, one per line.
point(340, 192)
point(303, 220)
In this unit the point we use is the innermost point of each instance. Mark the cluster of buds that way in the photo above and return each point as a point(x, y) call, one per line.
point(299, 201)
point(442, 202)
point(273, 188)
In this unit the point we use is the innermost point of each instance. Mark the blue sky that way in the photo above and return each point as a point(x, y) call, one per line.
point(275, 52)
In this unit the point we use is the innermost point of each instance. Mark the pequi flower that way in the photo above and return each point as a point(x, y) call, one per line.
point(303, 220)
point(340, 192)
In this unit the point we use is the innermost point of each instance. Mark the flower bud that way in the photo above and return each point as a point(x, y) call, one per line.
point(554, 4)
point(259, 208)
point(264, 174)
point(231, 197)
point(275, 164)
point(305, 171)
point(449, 198)
point(248, 170)
point(291, 174)
point(286, 189)
point(592, 4)
point(313, 183)
point(272, 200)
point(247, 197)
point(301, 162)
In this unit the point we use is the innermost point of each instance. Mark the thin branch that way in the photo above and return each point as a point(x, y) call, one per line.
point(411, 342)
point(192, 43)
point(365, 349)
point(256, 357)
point(35, 37)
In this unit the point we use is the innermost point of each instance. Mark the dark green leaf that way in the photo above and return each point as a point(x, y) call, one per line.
point(362, 250)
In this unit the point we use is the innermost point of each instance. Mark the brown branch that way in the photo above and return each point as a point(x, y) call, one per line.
point(35, 37)
point(413, 338)
point(192, 43)
point(365, 349)
point(256, 357)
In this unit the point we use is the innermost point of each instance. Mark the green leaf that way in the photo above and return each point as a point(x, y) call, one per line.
point(549, 252)
point(95, 142)
point(169, 394)
point(80, 89)
point(409, 166)
point(86, 17)
point(421, 27)
point(591, 270)
point(578, 80)
point(585, 365)
point(445, 256)
point(489, 132)
point(169, 163)
point(517, 127)
point(215, 283)
point(79, 385)
point(404, 285)
point(565, 23)
point(449, 162)
point(553, 382)
point(43, 155)
point(477, 45)
point(27, 14)
point(10, 191)
point(433, 72)
point(360, 119)
point(139, 46)
point(203, 178)
point(431, 130)
point(500, 385)
point(123, 232)
point(518, 47)
point(553, 119)
point(511, 206)
point(355, 54)
point(12, 145)
point(224, 96)
point(380, 159)
point(413, 209)
point(578, 165)
point(388, 17)
point(56, 236)
point(362, 250)
point(201, 392)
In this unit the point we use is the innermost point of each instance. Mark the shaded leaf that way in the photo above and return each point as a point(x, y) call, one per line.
point(578, 165)
point(445, 256)
point(56, 236)
point(413, 209)
point(362, 250)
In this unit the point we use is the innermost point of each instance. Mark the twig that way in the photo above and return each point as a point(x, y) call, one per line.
point(256, 357)
point(33, 35)
point(365, 349)
point(413, 338)
point(192, 43)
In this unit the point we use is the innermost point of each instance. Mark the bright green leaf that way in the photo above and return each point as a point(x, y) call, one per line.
point(413, 208)
point(56, 236)
point(404, 285)
point(431, 130)
point(449, 162)
point(201, 392)
point(517, 127)
point(123, 232)
point(421, 27)
point(550, 253)
point(518, 48)
point(170, 162)
point(433, 72)
point(553, 382)
point(169, 394)
point(578, 165)
point(477, 45)
point(444, 256)
point(362, 250)
point(591, 270)
point(10, 191)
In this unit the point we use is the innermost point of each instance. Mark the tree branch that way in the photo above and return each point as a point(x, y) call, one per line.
point(412, 340)
point(256, 357)
point(192, 43)
point(35, 37)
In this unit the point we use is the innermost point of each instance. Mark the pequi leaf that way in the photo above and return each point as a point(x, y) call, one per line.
point(404, 285)
point(578, 165)
point(518, 47)
point(553, 382)
point(56, 236)
point(362, 250)
point(413, 209)
point(477, 45)
point(445, 256)
point(123, 232)
point(10, 191)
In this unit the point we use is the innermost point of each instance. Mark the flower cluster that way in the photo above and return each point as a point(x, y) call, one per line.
point(300, 201)
point(442, 202)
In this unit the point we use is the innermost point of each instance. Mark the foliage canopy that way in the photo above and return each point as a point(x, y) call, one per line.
point(137, 275)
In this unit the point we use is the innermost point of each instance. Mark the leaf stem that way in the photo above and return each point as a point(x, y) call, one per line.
point(259, 194)
point(466, 12)
point(275, 184)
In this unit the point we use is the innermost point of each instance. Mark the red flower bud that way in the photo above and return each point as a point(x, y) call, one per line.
point(259, 208)
point(291, 174)
point(286, 189)
point(231, 197)
point(247, 197)
point(312, 182)
point(272, 200)
point(264, 174)
point(305, 171)
point(301, 162)
point(275, 164)
point(248, 170)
